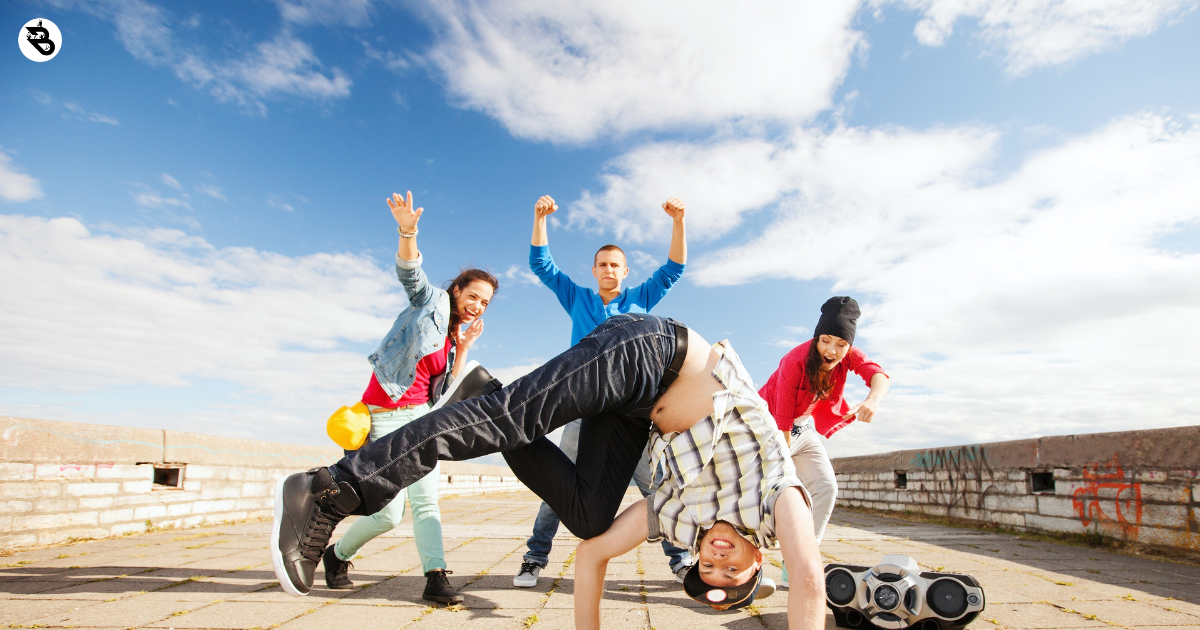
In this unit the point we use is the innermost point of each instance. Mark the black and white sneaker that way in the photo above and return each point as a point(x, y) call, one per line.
point(308, 506)
point(337, 571)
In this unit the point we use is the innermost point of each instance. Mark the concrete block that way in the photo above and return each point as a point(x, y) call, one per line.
point(5, 525)
point(18, 539)
point(221, 491)
point(121, 529)
point(179, 509)
point(95, 503)
point(208, 507)
point(255, 504)
point(55, 505)
point(137, 487)
point(1010, 503)
point(1165, 493)
point(50, 442)
point(199, 473)
point(150, 511)
point(941, 475)
point(61, 536)
point(30, 490)
point(116, 516)
point(1050, 505)
point(16, 472)
point(1054, 524)
point(1151, 476)
point(125, 471)
point(49, 521)
point(15, 507)
point(1007, 519)
point(134, 500)
point(92, 489)
point(1158, 515)
point(194, 485)
point(65, 471)
point(243, 473)
point(1017, 475)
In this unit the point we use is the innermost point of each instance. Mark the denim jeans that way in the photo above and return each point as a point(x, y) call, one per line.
point(422, 495)
point(546, 525)
point(611, 379)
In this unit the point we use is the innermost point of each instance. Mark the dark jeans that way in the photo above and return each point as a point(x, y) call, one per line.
point(610, 378)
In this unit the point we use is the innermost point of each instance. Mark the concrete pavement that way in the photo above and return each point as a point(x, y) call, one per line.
point(220, 577)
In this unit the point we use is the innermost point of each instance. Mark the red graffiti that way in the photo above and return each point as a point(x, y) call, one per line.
point(1126, 499)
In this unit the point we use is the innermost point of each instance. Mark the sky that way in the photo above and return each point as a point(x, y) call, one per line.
point(193, 232)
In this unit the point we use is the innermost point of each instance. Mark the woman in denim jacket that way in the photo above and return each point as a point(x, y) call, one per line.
point(425, 344)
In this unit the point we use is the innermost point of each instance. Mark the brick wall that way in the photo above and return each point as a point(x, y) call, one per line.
point(1138, 486)
point(60, 480)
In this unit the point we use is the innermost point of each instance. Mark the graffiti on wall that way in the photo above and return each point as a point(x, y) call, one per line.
point(1108, 499)
point(965, 466)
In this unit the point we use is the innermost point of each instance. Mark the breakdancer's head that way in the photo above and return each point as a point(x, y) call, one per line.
point(832, 338)
point(609, 268)
point(728, 570)
point(470, 294)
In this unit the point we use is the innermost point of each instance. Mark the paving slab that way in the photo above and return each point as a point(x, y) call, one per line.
point(220, 577)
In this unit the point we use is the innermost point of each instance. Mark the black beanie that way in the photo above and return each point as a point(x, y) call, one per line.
point(839, 317)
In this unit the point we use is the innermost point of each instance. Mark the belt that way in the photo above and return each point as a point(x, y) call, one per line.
point(681, 348)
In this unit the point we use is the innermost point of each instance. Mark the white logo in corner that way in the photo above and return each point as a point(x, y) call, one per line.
point(40, 40)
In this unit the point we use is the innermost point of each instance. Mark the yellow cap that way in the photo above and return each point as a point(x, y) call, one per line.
point(349, 426)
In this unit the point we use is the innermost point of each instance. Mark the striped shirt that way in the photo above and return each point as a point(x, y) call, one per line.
point(730, 466)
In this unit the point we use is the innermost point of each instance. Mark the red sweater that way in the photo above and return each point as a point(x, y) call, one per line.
point(786, 396)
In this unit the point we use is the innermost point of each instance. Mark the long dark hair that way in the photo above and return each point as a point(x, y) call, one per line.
point(466, 277)
point(819, 381)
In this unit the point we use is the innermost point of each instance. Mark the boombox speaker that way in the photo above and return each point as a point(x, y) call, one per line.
point(896, 594)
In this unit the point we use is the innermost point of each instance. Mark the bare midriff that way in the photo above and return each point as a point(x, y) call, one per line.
point(689, 398)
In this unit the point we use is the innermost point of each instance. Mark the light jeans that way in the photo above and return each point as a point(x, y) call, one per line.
point(813, 468)
point(423, 495)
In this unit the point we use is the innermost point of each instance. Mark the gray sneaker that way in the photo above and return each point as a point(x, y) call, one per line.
point(527, 577)
point(681, 572)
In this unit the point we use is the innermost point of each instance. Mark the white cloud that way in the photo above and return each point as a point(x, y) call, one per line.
point(171, 181)
point(283, 66)
point(1035, 303)
point(281, 205)
point(520, 274)
point(647, 262)
point(16, 186)
point(1037, 33)
point(211, 191)
point(79, 113)
point(326, 12)
point(83, 311)
point(507, 375)
point(570, 71)
point(153, 200)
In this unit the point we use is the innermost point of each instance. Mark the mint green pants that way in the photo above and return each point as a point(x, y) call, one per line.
point(423, 495)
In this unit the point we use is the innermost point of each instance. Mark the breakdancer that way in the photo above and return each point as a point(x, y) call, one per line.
point(724, 485)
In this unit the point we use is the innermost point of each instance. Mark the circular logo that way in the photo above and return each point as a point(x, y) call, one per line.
point(40, 39)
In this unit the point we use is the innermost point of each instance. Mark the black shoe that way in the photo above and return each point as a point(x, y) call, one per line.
point(438, 589)
point(337, 571)
point(308, 506)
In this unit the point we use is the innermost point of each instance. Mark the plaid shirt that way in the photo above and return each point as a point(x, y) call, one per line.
point(730, 466)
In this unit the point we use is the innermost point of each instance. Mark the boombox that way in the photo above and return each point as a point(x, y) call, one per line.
point(896, 594)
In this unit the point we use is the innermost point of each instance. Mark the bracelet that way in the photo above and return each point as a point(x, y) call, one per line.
point(404, 234)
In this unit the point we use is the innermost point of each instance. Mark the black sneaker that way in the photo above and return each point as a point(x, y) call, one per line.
point(308, 506)
point(337, 571)
point(438, 589)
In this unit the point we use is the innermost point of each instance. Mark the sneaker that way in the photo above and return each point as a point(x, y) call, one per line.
point(527, 577)
point(681, 572)
point(337, 571)
point(438, 589)
point(308, 506)
point(765, 589)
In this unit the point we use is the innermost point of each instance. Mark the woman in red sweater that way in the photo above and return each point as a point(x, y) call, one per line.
point(805, 397)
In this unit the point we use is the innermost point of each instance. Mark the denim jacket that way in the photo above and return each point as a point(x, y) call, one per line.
point(420, 329)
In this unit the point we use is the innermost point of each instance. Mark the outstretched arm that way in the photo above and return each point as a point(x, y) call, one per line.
point(794, 530)
point(544, 207)
point(865, 410)
point(675, 209)
point(591, 562)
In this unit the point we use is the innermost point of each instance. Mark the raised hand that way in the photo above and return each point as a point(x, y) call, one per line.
point(865, 410)
point(467, 338)
point(403, 211)
point(674, 208)
point(545, 206)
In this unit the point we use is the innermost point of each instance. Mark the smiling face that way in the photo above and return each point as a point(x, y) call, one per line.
point(726, 558)
point(832, 350)
point(472, 301)
point(609, 269)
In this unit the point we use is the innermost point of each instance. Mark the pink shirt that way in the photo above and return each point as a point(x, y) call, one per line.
point(418, 394)
point(787, 399)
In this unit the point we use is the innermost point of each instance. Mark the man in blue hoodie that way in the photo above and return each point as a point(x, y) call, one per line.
point(589, 308)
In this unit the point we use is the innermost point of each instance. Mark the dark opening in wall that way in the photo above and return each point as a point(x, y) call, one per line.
point(901, 480)
point(1041, 482)
point(168, 476)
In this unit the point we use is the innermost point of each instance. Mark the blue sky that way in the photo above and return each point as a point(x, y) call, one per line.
point(193, 232)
